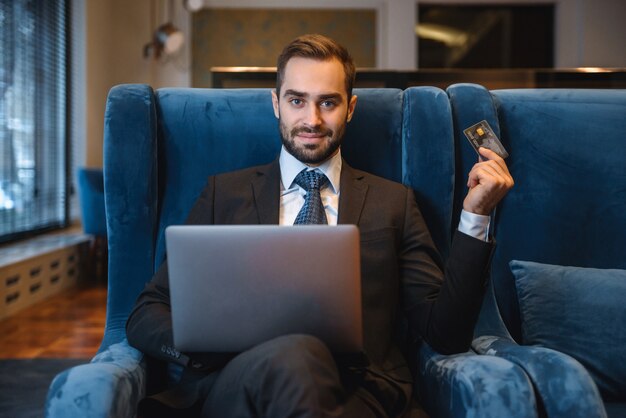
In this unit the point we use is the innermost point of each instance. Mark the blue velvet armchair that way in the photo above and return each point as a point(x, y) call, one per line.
point(160, 147)
point(556, 303)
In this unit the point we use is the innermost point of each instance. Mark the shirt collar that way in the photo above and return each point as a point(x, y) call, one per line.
point(290, 166)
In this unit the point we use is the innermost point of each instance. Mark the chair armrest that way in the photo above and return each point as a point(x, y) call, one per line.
point(563, 385)
point(110, 386)
point(466, 384)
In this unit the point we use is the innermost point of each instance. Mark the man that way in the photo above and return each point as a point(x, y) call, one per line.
point(297, 375)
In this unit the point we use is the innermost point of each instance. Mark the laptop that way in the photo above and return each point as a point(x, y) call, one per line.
point(234, 287)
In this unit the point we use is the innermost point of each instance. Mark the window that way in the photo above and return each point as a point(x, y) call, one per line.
point(34, 144)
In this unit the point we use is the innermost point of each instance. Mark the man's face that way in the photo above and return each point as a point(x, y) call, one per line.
point(313, 108)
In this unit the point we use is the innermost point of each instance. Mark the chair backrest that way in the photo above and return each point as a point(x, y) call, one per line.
point(428, 160)
point(208, 131)
point(161, 146)
point(567, 156)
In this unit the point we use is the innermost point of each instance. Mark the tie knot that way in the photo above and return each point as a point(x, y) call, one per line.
point(311, 180)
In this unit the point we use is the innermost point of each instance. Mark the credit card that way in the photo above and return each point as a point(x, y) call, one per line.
point(481, 135)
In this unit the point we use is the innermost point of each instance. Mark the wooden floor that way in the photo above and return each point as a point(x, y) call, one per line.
point(67, 325)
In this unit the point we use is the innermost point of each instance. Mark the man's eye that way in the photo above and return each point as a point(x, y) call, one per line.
point(295, 102)
point(328, 103)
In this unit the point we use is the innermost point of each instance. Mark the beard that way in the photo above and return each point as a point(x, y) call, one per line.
point(314, 154)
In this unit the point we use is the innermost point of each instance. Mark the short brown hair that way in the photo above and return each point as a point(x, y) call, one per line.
point(316, 47)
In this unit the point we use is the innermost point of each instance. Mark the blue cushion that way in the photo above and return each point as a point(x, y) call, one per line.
point(580, 312)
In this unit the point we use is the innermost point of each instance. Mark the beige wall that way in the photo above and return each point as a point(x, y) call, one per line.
point(115, 34)
point(98, 14)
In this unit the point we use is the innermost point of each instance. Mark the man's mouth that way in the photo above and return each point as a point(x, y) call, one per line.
point(311, 135)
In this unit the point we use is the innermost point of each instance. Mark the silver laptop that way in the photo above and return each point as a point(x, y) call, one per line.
point(233, 287)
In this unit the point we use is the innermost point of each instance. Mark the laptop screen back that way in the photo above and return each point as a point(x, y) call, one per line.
point(233, 287)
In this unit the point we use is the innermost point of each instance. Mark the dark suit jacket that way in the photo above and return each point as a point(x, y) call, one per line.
point(402, 274)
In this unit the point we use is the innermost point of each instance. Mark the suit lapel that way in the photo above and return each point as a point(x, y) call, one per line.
point(352, 198)
point(266, 190)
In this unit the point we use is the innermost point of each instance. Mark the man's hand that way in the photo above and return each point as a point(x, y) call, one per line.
point(488, 182)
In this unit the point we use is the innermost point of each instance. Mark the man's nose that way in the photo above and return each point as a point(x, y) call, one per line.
point(313, 117)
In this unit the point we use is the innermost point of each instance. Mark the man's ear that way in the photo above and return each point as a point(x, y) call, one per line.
point(275, 103)
point(351, 107)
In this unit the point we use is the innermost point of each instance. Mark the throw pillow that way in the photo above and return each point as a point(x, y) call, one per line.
point(580, 312)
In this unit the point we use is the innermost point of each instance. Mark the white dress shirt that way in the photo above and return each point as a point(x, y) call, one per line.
point(292, 195)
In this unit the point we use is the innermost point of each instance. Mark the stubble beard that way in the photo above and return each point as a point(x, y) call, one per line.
point(310, 153)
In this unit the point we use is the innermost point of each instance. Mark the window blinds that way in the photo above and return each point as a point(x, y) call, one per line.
point(34, 145)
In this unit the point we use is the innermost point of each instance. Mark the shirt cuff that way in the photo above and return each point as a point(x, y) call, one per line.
point(474, 225)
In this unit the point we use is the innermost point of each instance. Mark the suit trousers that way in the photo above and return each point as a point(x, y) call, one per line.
point(289, 376)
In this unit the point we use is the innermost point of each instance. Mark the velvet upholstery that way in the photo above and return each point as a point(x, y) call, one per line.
point(160, 147)
point(428, 159)
point(111, 385)
point(466, 385)
point(567, 151)
point(565, 389)
point(579, 312)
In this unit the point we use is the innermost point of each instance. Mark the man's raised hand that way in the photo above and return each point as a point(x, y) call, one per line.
point(488, 181)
